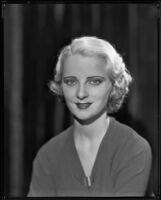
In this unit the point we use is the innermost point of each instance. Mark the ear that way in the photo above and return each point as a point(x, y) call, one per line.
point(60, 89)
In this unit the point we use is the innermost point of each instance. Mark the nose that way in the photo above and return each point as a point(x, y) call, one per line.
point(82, 92)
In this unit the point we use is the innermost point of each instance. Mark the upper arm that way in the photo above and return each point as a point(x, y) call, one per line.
point(132, 174)
point(42, 183)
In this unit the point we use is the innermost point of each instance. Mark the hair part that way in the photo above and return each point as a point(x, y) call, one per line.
point(96, 47)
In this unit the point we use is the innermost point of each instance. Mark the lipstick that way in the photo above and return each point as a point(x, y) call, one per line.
point(83, 105)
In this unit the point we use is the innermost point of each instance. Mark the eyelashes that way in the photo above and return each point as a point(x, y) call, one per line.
point(70, 82)
point(94, 81)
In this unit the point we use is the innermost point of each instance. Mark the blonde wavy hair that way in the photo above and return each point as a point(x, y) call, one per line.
point(117, 71)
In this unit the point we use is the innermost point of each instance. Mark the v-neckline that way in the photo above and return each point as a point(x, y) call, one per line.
point(80, 173)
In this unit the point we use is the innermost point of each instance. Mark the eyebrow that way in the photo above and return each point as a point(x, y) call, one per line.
point(69, 77)
point(89, 77)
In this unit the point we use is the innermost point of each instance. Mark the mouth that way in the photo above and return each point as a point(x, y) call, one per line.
point(83, 106)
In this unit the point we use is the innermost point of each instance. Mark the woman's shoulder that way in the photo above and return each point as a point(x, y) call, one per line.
point(55, 144)
point(126, 145)
point(127, 136)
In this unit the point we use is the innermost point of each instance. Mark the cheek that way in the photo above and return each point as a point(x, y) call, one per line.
point(68, 93)
point(101, 94)
point(104, 96)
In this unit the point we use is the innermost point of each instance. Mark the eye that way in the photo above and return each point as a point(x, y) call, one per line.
point(70, 82)
point(95, 81)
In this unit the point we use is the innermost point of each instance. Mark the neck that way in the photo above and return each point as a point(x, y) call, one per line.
point(93, 131)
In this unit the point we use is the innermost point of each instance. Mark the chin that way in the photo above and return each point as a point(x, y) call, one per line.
point(82, 117)
point(86, 120)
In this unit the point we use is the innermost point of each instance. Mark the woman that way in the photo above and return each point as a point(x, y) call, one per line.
point(97, 155)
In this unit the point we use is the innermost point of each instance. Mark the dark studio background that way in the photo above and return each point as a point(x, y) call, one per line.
point(33, 36)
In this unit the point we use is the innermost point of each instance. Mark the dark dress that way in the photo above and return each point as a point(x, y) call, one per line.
point(122, 166)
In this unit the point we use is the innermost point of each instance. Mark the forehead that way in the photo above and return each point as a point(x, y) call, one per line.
point(79, 65)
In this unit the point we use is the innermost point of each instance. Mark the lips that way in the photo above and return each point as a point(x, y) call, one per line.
point(83, 105)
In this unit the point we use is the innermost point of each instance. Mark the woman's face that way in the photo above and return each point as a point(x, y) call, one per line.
point(85, 86)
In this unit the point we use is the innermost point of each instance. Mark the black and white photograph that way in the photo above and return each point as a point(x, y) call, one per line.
point(81, 99)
